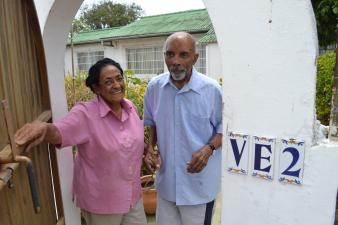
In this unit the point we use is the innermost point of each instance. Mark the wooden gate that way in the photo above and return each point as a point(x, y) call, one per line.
point(23, 83)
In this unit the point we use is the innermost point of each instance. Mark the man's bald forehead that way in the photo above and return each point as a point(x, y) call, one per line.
point(181, 35)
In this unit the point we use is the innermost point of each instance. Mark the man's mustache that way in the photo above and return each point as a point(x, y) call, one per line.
point(177, 68)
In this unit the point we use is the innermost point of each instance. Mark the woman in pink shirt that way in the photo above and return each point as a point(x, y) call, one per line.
point(109, 136)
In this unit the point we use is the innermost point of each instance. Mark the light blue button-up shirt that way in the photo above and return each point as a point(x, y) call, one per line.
point(185, 121)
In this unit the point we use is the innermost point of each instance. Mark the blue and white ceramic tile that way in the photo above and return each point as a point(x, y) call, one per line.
point(237, 153)
point(291, 161)
point(263, 150)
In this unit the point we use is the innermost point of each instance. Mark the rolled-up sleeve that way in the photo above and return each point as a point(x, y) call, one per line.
point(147, 107)
point(216, 116)
point(73, 127)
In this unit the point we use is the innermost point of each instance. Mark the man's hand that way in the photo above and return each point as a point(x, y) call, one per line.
point(31, 134)
point(152, 159)
point(199, 160)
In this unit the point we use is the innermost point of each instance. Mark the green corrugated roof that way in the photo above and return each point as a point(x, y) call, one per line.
point(148, 26)
point(92, 36)
point(190, 21)
point(209, 37)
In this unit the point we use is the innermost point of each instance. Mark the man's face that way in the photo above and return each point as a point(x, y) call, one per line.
point(180, 56)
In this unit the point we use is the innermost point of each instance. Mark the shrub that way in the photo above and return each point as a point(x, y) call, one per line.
point(82, 93)
point(325, 71)
point(135, 89)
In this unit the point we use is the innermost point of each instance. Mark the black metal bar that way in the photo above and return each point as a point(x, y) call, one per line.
point(33, 187)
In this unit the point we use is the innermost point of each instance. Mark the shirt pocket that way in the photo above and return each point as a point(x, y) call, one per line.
point(197, 127)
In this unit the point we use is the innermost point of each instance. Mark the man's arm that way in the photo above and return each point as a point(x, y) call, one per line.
point(152, 158)
point(216, 140)
point(200, 158)
point(152, 138)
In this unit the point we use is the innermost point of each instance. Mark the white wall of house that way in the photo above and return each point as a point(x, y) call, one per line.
point(117, 52)
point(68, 62)
point(79, 48)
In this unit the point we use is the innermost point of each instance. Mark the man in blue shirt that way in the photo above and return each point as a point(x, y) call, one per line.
point(184, 111)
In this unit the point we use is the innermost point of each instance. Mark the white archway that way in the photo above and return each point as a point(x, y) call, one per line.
point(56, 26)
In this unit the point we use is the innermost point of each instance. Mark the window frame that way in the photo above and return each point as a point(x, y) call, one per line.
point(91, 57)
point(145, 62)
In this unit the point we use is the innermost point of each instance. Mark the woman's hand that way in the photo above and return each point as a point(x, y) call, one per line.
point(33, 134)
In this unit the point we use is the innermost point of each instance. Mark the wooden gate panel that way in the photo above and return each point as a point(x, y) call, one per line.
point(23, 82)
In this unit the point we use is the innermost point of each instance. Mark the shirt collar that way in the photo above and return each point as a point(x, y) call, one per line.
point(104, 109)
point(194, 83)
point(166, 80)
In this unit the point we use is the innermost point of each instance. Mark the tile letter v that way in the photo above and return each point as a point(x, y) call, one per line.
point(237, 154)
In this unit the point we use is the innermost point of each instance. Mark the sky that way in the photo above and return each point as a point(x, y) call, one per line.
point(155, 7)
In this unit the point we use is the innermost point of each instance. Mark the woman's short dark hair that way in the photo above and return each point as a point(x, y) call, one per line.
point(95, 70)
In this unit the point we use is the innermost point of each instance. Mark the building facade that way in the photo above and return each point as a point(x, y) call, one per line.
point(139, 45)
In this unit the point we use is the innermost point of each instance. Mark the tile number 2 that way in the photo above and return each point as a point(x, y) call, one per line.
point(295, 157)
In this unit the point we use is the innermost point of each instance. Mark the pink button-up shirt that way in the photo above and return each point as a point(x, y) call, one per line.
point(108, 163)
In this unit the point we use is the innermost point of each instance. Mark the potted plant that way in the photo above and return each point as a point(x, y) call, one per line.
point(149, 194)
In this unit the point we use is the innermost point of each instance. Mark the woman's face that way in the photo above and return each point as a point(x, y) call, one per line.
point(111, 85)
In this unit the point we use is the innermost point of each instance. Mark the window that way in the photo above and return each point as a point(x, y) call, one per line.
point(200, 65)
point(86, 59)
point(147, 60)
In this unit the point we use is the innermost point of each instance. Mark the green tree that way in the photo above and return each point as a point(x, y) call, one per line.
point(326, 12)
point(79, 25)
point(107, 14)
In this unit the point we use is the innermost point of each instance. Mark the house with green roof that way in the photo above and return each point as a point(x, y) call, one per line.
point(138, 46)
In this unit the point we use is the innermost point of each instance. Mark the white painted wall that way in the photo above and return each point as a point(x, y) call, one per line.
point(55, 20)
point(214, 61)
point(68, 62)
point(42, 9)
point(269, 51)
point(274, 64)
point(77, 49)
point(117, 53)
